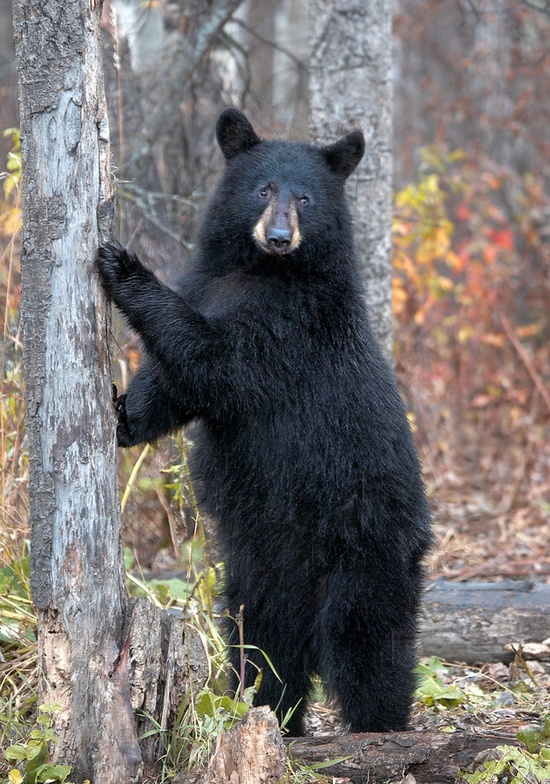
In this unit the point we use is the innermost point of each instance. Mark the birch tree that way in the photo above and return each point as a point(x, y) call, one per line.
point(350, 86)
point(76, 560)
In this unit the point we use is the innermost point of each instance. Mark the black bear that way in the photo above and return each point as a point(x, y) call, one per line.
point(302, 451)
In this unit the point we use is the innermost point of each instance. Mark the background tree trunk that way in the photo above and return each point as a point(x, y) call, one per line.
point(77, 567)
point(349, 70)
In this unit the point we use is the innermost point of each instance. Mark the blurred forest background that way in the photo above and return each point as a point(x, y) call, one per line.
point(471, 252)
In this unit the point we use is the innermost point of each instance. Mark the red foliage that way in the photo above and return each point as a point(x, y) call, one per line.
point(472, 307)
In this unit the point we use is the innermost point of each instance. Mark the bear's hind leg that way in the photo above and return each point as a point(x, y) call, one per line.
point(366, 645)
point(289, 650)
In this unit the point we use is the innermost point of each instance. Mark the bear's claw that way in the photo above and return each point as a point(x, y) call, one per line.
point(119, 404)
point(115, 264)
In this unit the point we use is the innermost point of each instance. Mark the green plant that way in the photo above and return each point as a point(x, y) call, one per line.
point(537, 739)
point(199, 722)
point(511, 765)
point(29, 757)
point(17, 616)
point(431, 690)
point(18, 677)
point(304, 774)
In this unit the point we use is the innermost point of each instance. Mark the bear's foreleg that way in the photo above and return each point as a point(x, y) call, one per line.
point(210, 362)
point(151, 407)
point(172, 332)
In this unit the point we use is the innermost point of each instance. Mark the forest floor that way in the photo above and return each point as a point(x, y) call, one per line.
point(491, 528)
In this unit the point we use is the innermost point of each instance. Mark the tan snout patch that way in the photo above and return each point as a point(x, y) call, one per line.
point(261, 230)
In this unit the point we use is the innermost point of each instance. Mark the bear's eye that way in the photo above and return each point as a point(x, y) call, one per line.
point(264, 193)
point(304, 200)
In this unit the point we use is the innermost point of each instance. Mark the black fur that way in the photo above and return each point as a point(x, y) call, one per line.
point(303, 454)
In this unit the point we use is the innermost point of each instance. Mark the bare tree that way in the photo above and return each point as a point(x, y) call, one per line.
point(350, 85)
point(101, 657)
point(77, 568)
point(489, 71)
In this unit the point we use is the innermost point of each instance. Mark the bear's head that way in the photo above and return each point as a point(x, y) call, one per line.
point(290, 195)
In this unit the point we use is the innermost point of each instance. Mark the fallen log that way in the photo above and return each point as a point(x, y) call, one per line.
point(430, 756)
point(474, 622)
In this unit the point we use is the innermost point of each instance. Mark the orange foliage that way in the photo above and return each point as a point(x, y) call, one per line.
point(459, 253)
point(472, 311)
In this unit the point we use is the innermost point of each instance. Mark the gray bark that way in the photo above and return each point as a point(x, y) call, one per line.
point(99, 658)
point(77, 573)
point(252, 752)
point(260, 18)
point(474, 622)
point(291, 74)
point(489, 71)
point(350, 86)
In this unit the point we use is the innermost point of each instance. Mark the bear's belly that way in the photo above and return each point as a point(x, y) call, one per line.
point(276, 482)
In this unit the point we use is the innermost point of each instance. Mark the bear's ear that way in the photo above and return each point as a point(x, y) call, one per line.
point(344, 155)
point(234, 133)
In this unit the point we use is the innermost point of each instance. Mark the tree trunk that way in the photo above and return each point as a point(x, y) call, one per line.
point(350, 59)
point(260, 18)
point(489, 67)
point(474, 622)
point(77, 572)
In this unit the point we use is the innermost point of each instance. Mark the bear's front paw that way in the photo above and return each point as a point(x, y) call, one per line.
point(116, 265)
point(119, 404)
point(123, 435)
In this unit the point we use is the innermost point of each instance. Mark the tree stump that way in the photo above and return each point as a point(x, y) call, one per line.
point(167, 661)
point(252, 752)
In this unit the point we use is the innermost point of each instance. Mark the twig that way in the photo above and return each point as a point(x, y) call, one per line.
point(267, 42)
point(133, 476)
point(240, 627)
point(152, 218)
point(526, 359)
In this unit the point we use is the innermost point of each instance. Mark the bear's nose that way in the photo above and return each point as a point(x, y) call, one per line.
point(279, 238)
